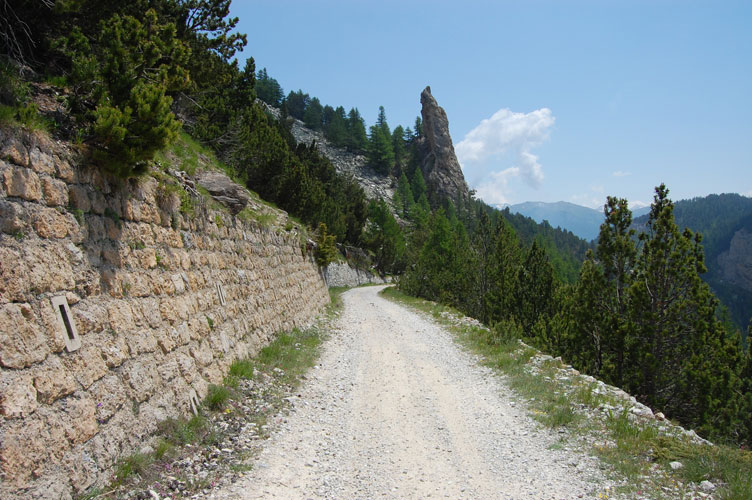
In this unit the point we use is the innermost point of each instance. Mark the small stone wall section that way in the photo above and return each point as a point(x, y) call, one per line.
point(140, 278)
point(343, 274)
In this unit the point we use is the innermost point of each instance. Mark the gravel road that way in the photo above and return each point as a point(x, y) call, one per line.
point(396, 409)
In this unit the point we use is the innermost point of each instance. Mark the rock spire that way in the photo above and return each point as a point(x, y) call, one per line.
point(440, 166)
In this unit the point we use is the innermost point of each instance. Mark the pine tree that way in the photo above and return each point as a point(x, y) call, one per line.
point(313, 116)
point(418, 187)
point(535, 293)
point(268, 89)
point(505, 261)
point(672, 313)
point(126, 71)
point(405, 196)
point(326, 251)
point(384, 238)
point(616, 253)
point(356, 131)
point(380, 152)
point(398, 144)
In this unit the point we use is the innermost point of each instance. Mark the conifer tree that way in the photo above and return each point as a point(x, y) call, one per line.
point(398, 143)
point(126, 72)
point(356, 131)
point(380, 152)
point(535, 293)
point(505, 261)
point(405, 196)
point(313, 116)
point(268, 89)
point(672, 315)
point(418, 186)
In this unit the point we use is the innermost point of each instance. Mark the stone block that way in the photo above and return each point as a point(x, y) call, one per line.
point(64, 171)
point(108, 395)
point(18, 397)
point(22, 342)
point(141, 376)
point(90, 317)
point(202, 353)
point(115, 350)
point(22, 183)
point(52, 381)
point(79, 417)
point(47, 271)
point(41, 162)
point(168, 369)
point(86, 364)
point(168, 311)
point(13, 282)
point(55, 192)
point(49, 223)
point(178, 282)
point(187, 367)
point(79, 468)
point(168, 339)
point(120, 315)
point(149, 310)
point(14, 150)
point(98, 202)
point(141, 342)
point(14, 218)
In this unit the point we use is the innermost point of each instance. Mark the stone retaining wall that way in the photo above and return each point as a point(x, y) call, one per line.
point(161, 300)
point(342, 274)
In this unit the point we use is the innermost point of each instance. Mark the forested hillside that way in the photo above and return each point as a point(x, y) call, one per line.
point(721, 218)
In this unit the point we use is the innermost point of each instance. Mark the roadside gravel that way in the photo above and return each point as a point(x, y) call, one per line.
point(395, 409)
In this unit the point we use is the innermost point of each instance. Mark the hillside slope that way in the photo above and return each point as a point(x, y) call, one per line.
point(725, 222)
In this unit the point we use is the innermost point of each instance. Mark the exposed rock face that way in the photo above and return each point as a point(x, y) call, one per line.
point(374, 184)
point(440, 166)
point(736, 262)
point(343, 274)
point(224, 190)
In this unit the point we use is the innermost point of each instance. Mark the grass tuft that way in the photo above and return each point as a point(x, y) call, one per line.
point(217, 397)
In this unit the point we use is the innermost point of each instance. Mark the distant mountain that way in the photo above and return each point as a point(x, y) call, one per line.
point(725, 222)
point(582, 221)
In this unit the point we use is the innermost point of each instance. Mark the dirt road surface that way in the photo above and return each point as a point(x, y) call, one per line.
point(395, 409)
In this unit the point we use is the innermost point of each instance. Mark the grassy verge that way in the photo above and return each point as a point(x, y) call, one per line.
point(597, 418)
point(253, 392)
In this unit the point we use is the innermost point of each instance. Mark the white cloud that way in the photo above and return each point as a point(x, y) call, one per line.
point(511, 133)
point(620, 173)
point(493, 188)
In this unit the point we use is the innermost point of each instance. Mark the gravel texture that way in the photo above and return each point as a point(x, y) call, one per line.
point(395, 409)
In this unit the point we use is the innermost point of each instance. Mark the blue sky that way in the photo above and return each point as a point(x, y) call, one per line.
point(547, 100)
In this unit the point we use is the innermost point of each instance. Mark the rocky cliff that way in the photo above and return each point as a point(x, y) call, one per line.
point(120, 302)
point(440, 167)
point(736, 262)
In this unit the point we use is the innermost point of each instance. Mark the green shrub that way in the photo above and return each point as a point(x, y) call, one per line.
point(217, 397)
point(326, 251)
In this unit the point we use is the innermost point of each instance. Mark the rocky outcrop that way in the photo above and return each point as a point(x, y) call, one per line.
point(343, 274)
point(736, 262)
point(120, 302)
point(222, 189)
point(375, 185)
point(440, 167)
